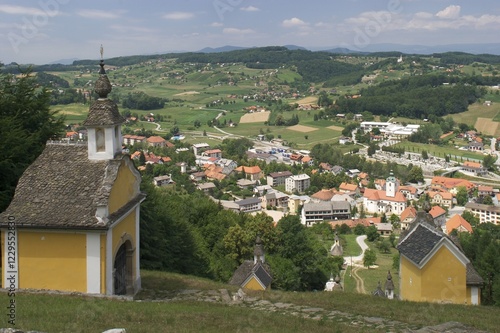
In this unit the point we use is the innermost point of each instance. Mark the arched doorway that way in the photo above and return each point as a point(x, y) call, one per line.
point(122, 270)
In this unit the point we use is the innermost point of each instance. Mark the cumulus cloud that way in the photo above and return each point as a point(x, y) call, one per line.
point(20, 10)
point(177, 16)
point(250, 9)
point(236, 31)
point(216, 24)
point(294, 22)
point(450, 12)
point(97, 14)
point(449, 18)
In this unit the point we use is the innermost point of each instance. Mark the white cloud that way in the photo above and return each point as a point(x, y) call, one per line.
point(450, 12)
point(97, 14)
point(19, 10)
point(216, 24)
point(376, 22)
point(178, 16)
point(250, 9)
point(129, 28)
point(236, 31)
point(293, 22)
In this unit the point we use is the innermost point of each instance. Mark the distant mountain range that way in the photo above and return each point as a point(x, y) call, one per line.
point(228, 48)
point(492, 48)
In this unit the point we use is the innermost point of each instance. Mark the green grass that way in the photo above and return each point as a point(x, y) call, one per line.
point(439, 151)
point(71, 313)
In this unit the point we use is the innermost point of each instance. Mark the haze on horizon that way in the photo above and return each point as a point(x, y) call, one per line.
point(43, 31)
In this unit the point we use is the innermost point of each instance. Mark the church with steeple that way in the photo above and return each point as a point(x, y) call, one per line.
point(385, 201)
point(73, 223)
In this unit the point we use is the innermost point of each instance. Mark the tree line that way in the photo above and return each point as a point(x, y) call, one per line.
point(212, 242)
point(416, 97)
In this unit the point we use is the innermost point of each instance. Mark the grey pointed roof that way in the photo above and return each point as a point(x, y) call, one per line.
point(389, 284)
point(473, 277)
point(258, 249)
point(379, 292)
point(247, 268)
point(419, 242)
point(62, 189)
point(103, 112)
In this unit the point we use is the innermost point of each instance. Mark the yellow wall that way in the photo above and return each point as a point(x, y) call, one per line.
point(442, 279)
point(125, 227)
point(252, 284)
point(410, 281)
point(124, 188)
point(49, 260)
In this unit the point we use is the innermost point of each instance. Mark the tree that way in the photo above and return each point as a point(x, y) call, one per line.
point(425, 155)
point(384, 245)
point(369, 258)
point(395, 261)
point(489, 162)
point(462, 196)
point(359, 229)
point(26, 123)
point(471, 218)
point(372, 233)
point(487, 200)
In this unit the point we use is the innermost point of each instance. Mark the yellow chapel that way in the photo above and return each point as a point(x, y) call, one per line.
point(433, 268)
point(73, 224)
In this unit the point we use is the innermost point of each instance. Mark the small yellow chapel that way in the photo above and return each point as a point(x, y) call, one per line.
point(73, 224)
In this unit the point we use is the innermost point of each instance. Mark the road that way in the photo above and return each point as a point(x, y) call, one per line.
point(359, 259)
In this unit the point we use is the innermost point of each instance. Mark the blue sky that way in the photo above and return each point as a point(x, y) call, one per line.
point(42, 31)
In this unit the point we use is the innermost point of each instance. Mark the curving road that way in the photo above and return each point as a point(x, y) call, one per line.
point(361, 242)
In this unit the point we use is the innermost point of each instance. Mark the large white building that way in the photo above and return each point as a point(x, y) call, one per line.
point(388, 201)
point(297, 183)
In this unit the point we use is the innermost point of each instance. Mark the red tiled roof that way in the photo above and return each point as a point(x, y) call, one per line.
point(155, 139)
point(444, 195)
point(324, 195)
point(348, 187)
point(457, 222)
point(408, 212)
point(437, 211)
point(377, 195)
point(249, 170)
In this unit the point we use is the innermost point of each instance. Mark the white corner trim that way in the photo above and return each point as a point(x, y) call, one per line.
point(93, 263)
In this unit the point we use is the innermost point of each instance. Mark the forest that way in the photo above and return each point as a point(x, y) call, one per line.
point(417, 96)
point(212, 242)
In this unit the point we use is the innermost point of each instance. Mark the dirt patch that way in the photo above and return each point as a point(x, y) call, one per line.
point(307, 100)
point(302, 128)
point(255, 117)
point(187, 93)
point(336, 128)
point(486, 126)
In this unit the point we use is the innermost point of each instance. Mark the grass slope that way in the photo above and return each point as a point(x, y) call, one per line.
point(70, 313)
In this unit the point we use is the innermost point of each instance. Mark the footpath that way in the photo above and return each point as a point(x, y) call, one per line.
point(240, 298)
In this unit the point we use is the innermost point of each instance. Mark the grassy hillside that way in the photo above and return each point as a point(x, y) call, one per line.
point(73, 313)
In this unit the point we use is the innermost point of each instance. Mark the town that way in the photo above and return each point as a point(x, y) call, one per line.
point(264, 190)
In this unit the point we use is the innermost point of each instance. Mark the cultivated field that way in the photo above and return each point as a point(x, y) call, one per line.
point(335, 128)
point(487, 126)
point(256, 117)
point(302, 128)
point(187, 93)
point(307, 100)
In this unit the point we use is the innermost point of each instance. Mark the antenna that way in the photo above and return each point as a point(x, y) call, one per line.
point(102, 52)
